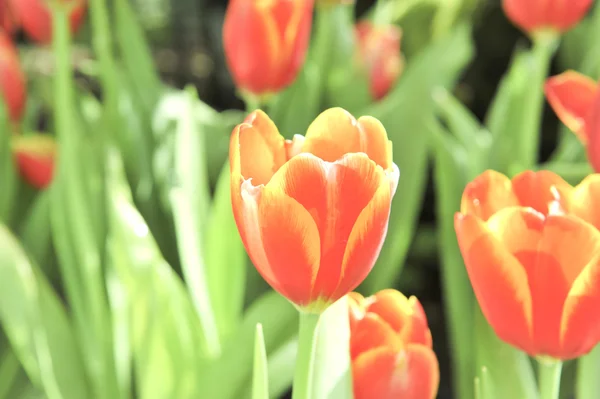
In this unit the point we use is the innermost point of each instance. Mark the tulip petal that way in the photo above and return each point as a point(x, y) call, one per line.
point(371, 332)
point(365, 240)
point(586, 198)
point(252, 45)
point(335, 132)
point(335, 195)
point(356, 308)
point(487, 194)
point(580, 330)
point(534, 15)
point(571, 95)
point(564, 249)
point(289, 241)
point(404, 315)
point(544, 191)
point(498, 279)
point(384, 373)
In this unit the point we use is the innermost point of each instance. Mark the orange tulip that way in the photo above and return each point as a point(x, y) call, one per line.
point(265, 42)
point(379, 52)
point(35, 17)
point(538, 15)
point(12, 80)
point(35, 157)
point(532, 251)
point(312, 212)
point(8, 19)
point(573, 97)
point(391, 348)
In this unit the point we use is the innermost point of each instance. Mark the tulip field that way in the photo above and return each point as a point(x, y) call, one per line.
point(358, 208)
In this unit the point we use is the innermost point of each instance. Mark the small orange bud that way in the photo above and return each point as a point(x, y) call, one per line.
point(531, 247)
point(12, 80)
point(391, 348)
point(35, 156)
point(265, 42)
point(379, 52)
point(313, 212)
point(538, 15)
point(36, 18)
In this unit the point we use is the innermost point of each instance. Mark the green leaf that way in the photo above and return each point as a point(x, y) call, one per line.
point(37, 325)
point(295, 108)
point(332, 371)
point(587, 382)
point(35, 232)
point(260, 376)
point(450, 178)
point(230, 375)
point(164, 328)
point(404, 113)
point(136, 55)
point(281, 368)
point(225, 259)
point(509, 370)
point(8, 177)
point(190, 199)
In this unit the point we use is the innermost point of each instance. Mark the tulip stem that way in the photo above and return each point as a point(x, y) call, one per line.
point(307, 338)
point(549, 378)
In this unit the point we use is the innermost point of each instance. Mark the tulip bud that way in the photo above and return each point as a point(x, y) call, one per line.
point(265, 42)
point(35, 156)
point(391, 348)
point(539, 15)
point(35, 17)
point(313, 212)
point(379, 53)
point(12, 79)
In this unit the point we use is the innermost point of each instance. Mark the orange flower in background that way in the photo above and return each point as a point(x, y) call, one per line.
point(35, 155)
point(312, 212)
point(36, 19)
point(531, 247)
point(265, 42)
point(391, 348)
point(539, 15)
point(8, 19)
point(379, 52)
point(12, 79)
point(576, 100)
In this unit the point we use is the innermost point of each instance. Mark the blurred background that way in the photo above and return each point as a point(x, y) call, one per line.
point(185, 36)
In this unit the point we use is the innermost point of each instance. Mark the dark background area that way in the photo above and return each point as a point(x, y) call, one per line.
point(186, 37)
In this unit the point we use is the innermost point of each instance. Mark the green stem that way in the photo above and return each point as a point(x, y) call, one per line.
point(549, 378)
point(544, 47)
point(307, 338)
point(588, 383)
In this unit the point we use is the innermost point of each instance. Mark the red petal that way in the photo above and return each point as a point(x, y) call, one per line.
point(544, 191)
point(571, 95)
point(533, 15)
point(335, 133)
point(383, 373)
point(372, 332)
point(498, 279)
point(487, 194)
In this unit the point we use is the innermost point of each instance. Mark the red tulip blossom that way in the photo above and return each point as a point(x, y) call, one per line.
point(35, 156)
point(531, 247)
point(538, 15)
point(12, 79)
point(265, 42)
point(312, 212)
point(391, 348)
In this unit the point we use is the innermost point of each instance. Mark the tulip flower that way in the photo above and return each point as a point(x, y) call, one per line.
point(546, 15)
point(35, 17)
point(12, 79)
point(312, 212)
point(391, 348)
point(573, 97)
point(265, 42)
point(379, 52)
point(8, 19)
point(531, 247)
point(35, 155)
